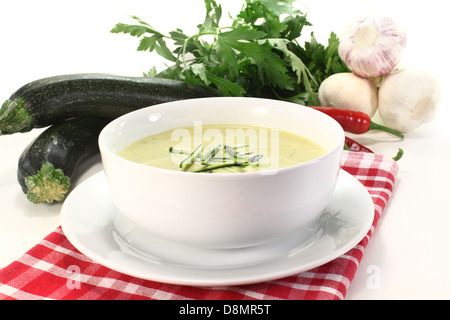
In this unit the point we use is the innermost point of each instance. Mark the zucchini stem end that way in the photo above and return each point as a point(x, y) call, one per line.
point(47, 185)
point(14, 117)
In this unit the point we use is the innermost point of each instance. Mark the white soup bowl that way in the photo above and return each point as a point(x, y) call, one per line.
point(222, 210)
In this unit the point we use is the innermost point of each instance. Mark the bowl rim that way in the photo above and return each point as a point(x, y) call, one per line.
point(266, 172)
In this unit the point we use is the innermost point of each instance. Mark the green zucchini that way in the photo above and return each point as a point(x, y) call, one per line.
point(49, 100)
point(47, 165)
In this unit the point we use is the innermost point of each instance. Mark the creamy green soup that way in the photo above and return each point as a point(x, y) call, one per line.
point(222, 148)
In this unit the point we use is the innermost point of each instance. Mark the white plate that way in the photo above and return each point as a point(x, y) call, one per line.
point(95, 227)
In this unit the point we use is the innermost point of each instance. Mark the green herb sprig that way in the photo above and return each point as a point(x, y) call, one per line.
point(256, 55)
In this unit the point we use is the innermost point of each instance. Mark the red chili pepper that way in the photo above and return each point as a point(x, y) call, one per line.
point(355, 121)
point(352, 145)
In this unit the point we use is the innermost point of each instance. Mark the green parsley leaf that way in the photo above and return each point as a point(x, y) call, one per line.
point(226, 87)
point(148, 43)
point(257, 55)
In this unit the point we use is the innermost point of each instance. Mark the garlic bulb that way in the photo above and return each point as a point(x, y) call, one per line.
point(372, 47)
point(348, 91)
point(408, 98)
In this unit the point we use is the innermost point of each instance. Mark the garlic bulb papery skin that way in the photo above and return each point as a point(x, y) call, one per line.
point(348, 91)
point(372, 47)
point(408, 98)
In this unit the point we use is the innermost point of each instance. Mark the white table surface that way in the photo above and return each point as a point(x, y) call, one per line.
point(408, 255)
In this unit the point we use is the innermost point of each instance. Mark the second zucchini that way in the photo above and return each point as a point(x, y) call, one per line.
point(47, 165)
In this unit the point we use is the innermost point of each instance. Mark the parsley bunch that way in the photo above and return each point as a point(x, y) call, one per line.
point(257, 55)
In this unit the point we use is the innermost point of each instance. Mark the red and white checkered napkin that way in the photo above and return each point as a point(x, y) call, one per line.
point(46, 271)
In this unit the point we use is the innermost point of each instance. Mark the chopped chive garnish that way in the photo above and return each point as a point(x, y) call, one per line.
point(190, 160)
point(237, 158)
point(240, 147)
point(211, 160)
point(177, 151)
point(210, 155)
point(255, 158)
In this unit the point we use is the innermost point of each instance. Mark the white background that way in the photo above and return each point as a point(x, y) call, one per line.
point(408, 255)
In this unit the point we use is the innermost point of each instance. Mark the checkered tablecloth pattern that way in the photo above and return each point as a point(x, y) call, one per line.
point(55, 269)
